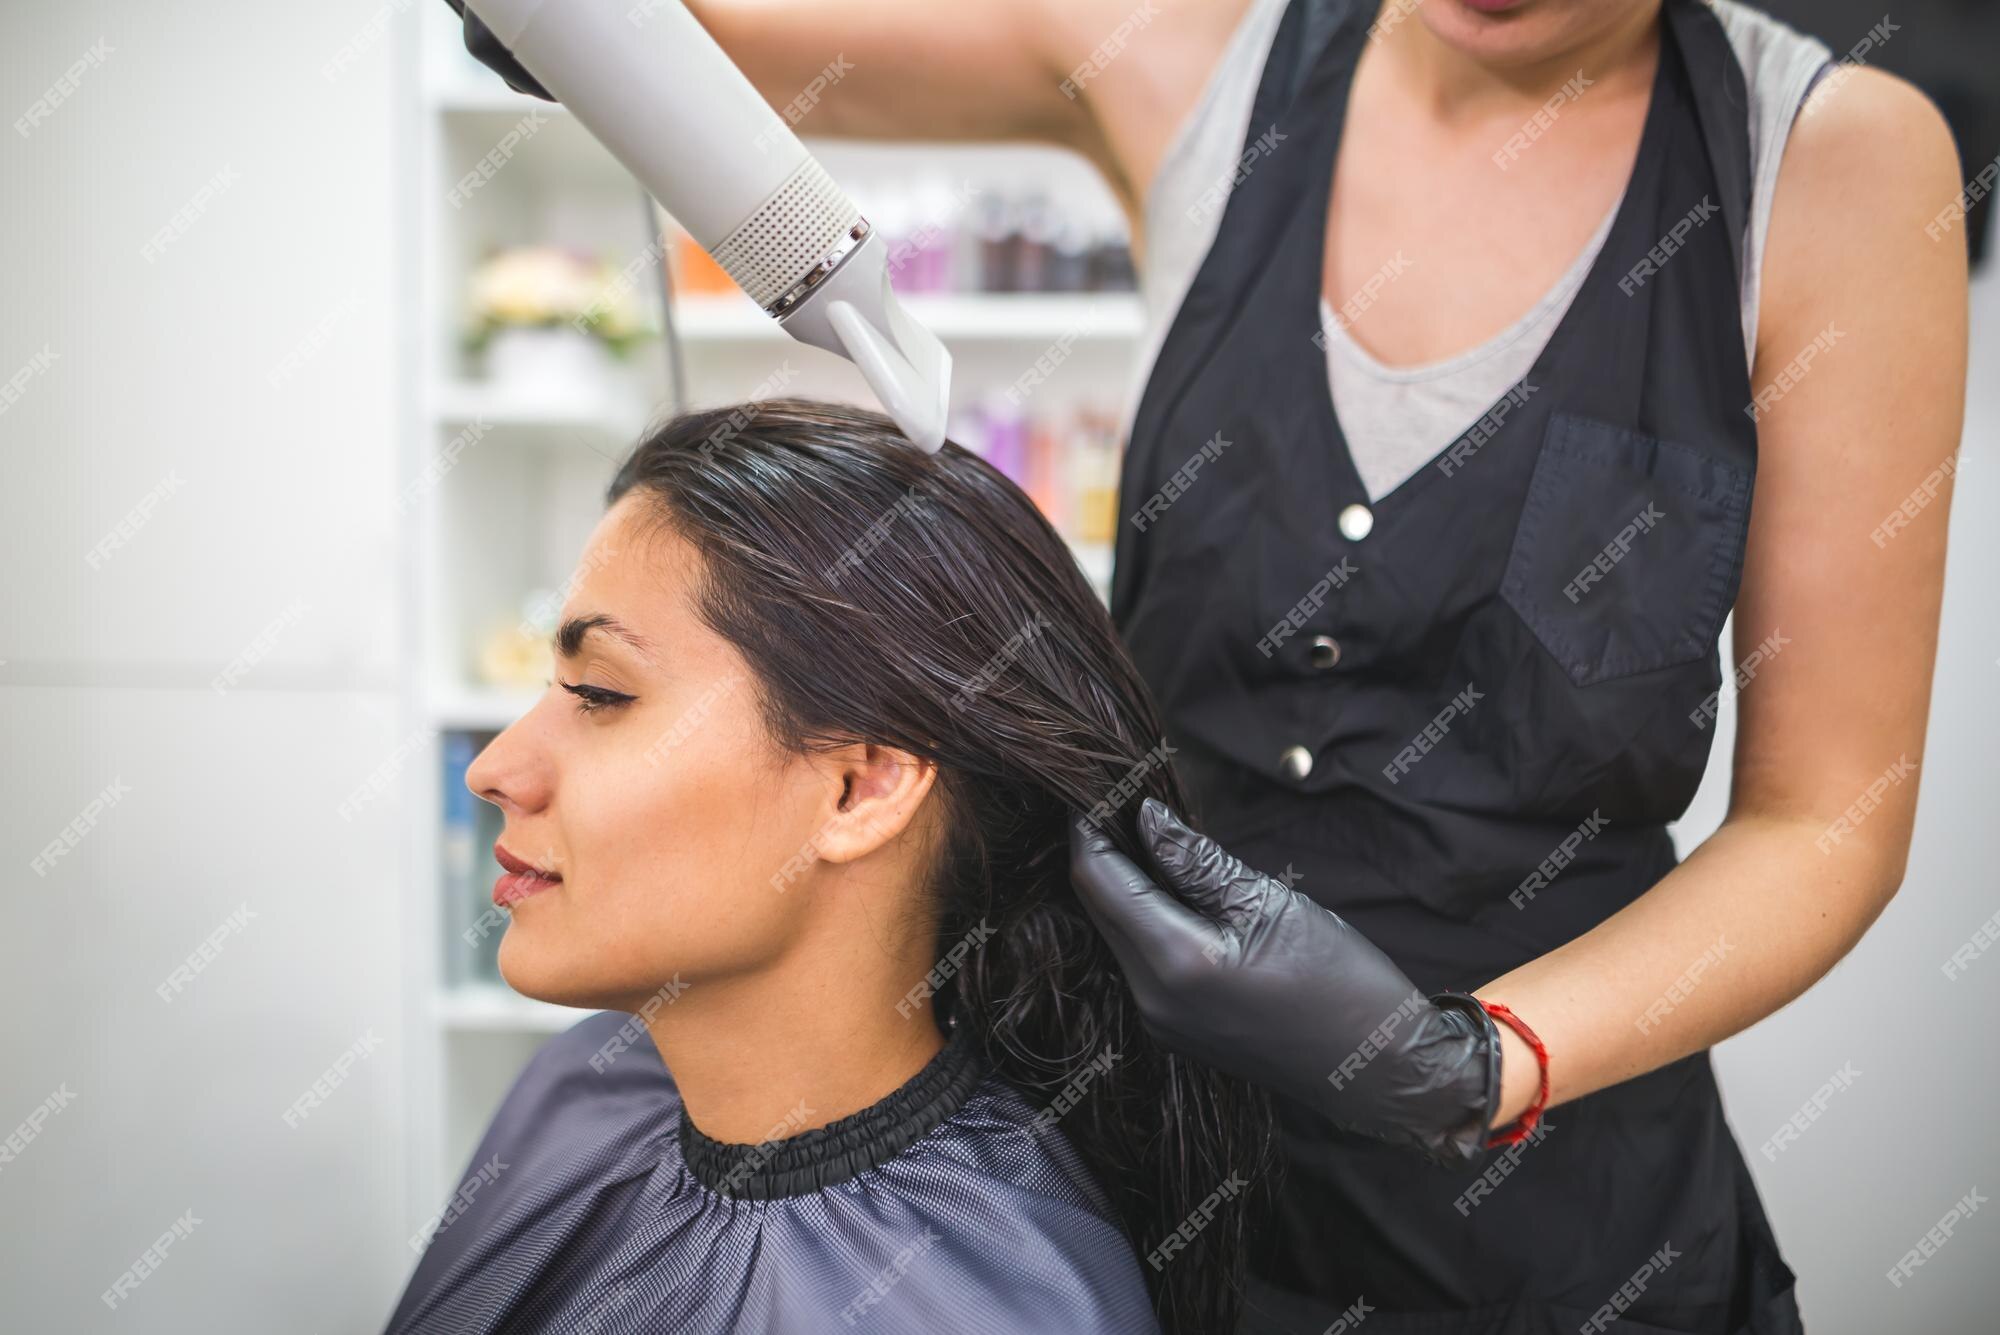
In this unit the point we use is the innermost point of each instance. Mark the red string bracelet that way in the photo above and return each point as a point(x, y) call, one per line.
point(1525, 1124)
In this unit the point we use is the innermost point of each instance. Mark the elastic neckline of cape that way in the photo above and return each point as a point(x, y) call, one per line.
point(839, 1151)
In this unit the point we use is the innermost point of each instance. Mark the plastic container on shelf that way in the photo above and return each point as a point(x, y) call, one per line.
point(1092, 458)
point(1045, 477)
point(696, 273)
point(1066, 461)
point(999, 242)
point(893, 216)
point(1039, 222)
point(920, 231)
point(1069, 256)
point(1006, 438)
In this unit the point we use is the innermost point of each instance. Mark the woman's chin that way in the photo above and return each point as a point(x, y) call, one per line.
point(560, 978)
point(535, 974)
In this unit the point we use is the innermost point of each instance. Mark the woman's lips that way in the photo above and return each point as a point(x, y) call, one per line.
point(520, 880)
point(1490, 6)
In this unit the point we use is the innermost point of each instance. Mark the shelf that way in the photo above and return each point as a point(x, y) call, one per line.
point(492, 1008)
point(478, 708)
point(1032, 317)
point(617, 412)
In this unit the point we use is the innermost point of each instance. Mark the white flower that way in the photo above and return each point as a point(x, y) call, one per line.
point(548, 285)
point(532, 285)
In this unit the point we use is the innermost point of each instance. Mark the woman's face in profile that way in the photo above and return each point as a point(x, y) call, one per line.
point(646, 779)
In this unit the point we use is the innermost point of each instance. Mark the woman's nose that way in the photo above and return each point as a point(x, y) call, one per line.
point(513, 772)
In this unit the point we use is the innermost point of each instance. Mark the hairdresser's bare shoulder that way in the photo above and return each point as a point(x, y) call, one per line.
point(1860, 389)
point(1864, 199)
point(1111, 79)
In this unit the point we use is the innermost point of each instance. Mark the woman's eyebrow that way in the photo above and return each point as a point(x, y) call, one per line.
point(569, 638)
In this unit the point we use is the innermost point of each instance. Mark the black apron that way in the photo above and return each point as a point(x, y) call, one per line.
point(1464, 713)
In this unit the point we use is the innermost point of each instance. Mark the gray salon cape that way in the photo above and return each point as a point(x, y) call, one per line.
point(592, 1206)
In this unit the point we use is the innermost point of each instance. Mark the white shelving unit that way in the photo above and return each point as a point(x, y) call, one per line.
point(508, 478)
point(1017, 318)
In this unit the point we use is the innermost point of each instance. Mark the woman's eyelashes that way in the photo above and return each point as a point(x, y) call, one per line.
point(592, 698)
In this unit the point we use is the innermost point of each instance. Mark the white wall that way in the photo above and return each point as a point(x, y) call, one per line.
point(1918, 1053)
point(281, 512)
point(272, 481)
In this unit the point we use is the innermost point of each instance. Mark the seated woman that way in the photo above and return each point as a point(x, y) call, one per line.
point(797, 806)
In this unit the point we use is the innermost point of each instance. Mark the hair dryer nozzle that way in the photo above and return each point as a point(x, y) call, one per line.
point(854, 312)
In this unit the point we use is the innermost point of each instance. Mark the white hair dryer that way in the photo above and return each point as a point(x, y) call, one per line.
point(655, 89)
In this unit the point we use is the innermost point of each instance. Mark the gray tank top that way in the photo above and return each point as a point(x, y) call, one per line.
point(1397, 417)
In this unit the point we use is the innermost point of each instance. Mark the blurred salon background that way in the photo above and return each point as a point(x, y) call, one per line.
point(317, 348)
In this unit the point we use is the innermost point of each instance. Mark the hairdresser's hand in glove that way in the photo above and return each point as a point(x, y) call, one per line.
point(481, 42)
point(1243, 973)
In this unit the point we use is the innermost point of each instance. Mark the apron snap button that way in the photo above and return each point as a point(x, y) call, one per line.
point(1325, 651)
point(1355, 521)
point(1297, 762)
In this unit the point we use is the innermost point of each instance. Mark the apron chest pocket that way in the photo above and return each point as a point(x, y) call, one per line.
point(1628, 549)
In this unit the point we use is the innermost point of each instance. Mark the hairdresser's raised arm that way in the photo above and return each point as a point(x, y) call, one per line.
point(904, 69)
point(913, 69)
point(1110, 79)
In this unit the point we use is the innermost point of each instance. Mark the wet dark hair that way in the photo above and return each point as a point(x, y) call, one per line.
point(922, 602)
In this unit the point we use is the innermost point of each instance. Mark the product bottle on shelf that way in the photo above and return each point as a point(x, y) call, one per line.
point(1038, 432)
point(1111, 260)
point(1093, 477)
point(1007, 438)
point(471, 939)
point(1038, 224)
point(998, 244)
point(696, 274)
point(1069, 256)
point(932, 243)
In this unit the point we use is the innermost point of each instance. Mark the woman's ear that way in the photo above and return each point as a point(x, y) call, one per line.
point(879, 793)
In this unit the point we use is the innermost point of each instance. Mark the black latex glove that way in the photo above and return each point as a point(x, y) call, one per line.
point(481, 42)
point(1242, 973)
